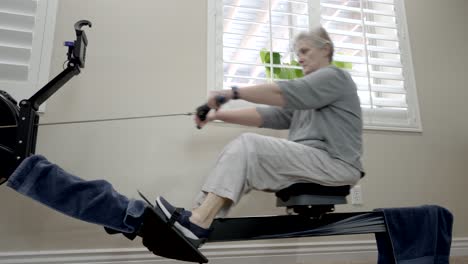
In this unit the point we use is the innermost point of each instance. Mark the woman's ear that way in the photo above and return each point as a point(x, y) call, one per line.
point(326, 50)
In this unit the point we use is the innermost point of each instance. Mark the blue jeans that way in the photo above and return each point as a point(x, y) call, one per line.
point(92, 201)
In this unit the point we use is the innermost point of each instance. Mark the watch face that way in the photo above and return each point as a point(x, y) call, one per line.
point(235, 92)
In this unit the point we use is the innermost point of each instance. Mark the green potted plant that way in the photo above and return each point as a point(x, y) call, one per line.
point(281, 72)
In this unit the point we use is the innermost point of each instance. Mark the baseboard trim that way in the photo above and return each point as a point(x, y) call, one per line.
point(252, 253)
point(459, 247)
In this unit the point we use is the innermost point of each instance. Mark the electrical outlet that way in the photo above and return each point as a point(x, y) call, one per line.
point(356, 195)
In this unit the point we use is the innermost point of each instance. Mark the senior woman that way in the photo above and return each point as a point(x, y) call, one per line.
point(323, 114)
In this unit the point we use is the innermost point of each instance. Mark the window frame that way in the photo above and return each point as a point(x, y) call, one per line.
point(215, 70)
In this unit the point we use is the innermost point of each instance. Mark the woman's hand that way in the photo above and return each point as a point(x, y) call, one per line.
point(209, 117)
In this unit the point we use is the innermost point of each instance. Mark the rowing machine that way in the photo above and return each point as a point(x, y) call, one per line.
point(19, 122)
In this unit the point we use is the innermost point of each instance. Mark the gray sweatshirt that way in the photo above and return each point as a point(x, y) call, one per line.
point(323, 111)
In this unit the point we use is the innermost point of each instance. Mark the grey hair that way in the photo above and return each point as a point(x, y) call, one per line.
point(319, 38)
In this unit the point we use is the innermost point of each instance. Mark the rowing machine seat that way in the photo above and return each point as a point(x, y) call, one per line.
point(312, 199)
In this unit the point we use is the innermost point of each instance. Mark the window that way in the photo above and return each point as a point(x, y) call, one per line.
point(250, 42)
point(26, 35)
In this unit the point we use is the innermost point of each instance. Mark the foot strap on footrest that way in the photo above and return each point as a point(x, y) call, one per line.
point(175, 216)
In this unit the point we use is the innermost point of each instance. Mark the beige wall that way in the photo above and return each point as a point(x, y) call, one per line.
point(149, 57)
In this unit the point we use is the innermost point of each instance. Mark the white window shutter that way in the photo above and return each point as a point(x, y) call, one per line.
point(367, 33)
point(249, 27)
point(24, 60)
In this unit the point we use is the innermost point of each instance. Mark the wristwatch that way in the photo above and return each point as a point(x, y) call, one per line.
point(235, 92)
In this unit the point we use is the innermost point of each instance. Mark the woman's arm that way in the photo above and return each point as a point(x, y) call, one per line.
point(245, 117)
point(268, 94)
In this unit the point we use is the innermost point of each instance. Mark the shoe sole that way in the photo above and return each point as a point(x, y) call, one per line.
point(185, 231)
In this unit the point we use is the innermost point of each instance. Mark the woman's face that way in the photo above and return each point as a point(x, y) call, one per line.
point(310, 57)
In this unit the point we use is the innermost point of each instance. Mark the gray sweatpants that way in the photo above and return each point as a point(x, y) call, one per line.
point(256, 162)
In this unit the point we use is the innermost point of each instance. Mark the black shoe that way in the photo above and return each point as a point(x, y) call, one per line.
point(182, 222)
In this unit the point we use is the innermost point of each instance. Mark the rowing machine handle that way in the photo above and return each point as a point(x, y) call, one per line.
point(202, 111)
